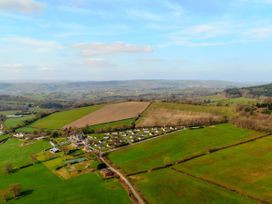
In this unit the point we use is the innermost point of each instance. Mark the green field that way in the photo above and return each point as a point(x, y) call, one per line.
point(169, 186)
point(246, 167)
point(112, 125)
point(41, 186)
point(177, 146)
point(60, 119)
point(27, 129)
point(12, 152)
point(14, 122)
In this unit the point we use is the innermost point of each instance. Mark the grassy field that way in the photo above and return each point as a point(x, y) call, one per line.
point(246, 167)
point(169, 186)
point(112, 125)
point(14, 122)
point(41, 186)
point(27, 129)
point(177, 146)
point(13, 152)
point(60, 119)
point(173, 108)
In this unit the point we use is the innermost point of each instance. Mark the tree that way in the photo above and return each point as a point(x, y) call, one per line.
point(4, 196)
point(101, 166)
point(7, 168)
point(16, 190)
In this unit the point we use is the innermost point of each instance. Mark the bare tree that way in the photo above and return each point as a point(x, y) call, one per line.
point(7, 168)
point(16, 190)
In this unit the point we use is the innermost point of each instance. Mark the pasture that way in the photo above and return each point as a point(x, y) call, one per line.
point(177, 146)
point(14, 122)
point(246, 168)
point(41, 186)
point(111, 113)
point(169, 186)
point(60, 119)
point(17, 153)
point(127, 123)
point(174, 114)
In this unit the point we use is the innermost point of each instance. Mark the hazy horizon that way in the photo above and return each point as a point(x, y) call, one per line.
point(86, 40)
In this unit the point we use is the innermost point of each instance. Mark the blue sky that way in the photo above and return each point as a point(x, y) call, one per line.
point(143, 39)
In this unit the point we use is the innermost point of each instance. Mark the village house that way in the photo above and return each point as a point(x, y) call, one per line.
point(107, 173)
point(19, 135)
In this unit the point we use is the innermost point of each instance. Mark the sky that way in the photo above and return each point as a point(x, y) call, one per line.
point(91, 40)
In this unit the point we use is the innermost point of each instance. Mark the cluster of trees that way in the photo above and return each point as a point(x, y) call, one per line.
point(255, 122)
point(256, 117)
point(15, 190)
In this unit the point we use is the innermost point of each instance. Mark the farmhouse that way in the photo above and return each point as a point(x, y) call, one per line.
point(106, 173)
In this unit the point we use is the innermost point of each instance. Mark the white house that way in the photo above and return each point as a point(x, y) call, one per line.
point(19, 135)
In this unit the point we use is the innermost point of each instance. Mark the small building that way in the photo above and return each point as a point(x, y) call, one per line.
point(107, 173)
point(19, 135)
point(54, 150)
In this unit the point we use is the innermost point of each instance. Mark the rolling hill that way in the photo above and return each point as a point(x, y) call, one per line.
point(255, 91)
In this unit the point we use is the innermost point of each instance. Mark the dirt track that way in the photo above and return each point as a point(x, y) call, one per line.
point(110, 113)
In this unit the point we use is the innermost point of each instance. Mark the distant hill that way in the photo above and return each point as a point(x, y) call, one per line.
point(122, 87)
point(255, 91)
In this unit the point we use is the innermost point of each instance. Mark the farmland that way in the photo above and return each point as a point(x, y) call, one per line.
point(177, 146)
point(38, 182)
point(110, 113)
point(169, 186)
point(182, 114)
point(127, 123)
point(18, 153)
point(246, 168)
point(60, 119)
point(44, 187)
point(14, 122)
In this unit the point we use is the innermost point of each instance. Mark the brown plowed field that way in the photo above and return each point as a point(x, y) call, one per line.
point(110, 113)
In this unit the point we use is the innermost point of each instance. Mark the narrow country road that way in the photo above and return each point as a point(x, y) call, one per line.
point(132, 189)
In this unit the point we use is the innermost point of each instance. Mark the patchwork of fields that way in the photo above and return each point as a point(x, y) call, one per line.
point(168, 186)
point(177, 146)
point(110, 113)
point(60, 119)
point(40, 185)
point(210, 165)
point(246, 168)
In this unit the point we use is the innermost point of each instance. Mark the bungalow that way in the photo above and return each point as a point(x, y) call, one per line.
point(54, 150)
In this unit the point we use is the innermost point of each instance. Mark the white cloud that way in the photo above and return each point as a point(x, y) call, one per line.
point(258, 34)
point(14, 67)
point(36, 44)
point(91, 49)
point(200, 35)
point(24, 6)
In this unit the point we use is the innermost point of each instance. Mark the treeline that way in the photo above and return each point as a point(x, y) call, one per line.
point(257, 117)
